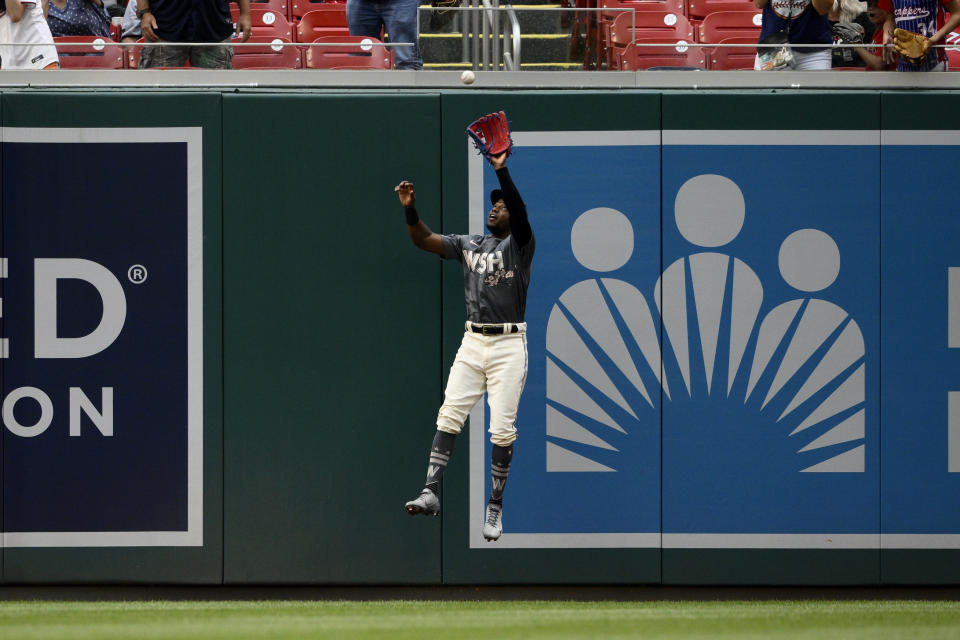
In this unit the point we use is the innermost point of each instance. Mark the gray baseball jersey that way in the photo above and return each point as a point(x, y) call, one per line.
point(496, 274)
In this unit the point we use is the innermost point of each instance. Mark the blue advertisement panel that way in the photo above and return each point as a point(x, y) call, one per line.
point(102, 338)
point(921, 333)
point(727, 383)
point(770, 305)
point(588, 453)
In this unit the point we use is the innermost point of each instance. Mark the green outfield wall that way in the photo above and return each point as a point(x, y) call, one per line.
point(326, 338)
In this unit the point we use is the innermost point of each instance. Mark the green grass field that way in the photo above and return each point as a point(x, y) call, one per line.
point(821, 619)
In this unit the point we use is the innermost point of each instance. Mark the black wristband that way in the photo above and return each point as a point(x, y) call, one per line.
point(412, 217)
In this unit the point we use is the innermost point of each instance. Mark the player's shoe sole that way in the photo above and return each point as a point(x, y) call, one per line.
point(427, 503)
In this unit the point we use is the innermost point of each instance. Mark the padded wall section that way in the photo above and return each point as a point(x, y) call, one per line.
point(112, 455)
point(770, 305)
point(226, 357)
point(921, 332)
point(332, 338)
point(582, 503)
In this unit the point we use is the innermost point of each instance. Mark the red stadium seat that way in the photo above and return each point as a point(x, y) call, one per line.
point(88, 52)
point(268, 54)
point(721, 25)
point(699, 9)
point(952, 40)
point(280, 6)
point(300, 8)
point(611, 9)
point(131, 56)
point(679, 54)
point(363, 53)
point(267, 23)
point(731, 58)
point(329, 21)
point(646, 25)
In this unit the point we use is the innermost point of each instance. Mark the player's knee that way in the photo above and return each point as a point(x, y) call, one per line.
point(449, 423)
point(450, 430)
point(503, 439)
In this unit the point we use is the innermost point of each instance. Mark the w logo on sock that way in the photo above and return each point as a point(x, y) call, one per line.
point(706, 345)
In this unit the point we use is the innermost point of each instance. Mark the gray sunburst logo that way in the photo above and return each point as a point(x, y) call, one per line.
point(804, 356)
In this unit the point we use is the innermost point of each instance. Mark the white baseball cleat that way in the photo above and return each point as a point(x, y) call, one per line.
point(426, 503)
point(493, 526)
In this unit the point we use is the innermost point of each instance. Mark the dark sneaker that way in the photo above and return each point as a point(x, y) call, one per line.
point(426, 503)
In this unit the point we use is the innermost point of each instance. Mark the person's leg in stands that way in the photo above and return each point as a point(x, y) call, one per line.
point(167, 55)
point(213, 57)
point(400, 19)
point(364, 19)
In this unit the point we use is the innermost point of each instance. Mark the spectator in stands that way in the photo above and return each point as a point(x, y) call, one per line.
point(190, 21)
point(78, 18)
point(130, 26)
point(398, 18)
point(850, 24)
point(798, 22)
point(926, 17)
point(873, 58)
point(24, 22)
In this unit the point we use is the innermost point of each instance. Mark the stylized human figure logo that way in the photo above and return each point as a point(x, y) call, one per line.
point(604, 351)
point(709, 211)
point(809, 261)
point(585, 347)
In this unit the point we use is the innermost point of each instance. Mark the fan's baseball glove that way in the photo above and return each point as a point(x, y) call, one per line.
point(911, 46)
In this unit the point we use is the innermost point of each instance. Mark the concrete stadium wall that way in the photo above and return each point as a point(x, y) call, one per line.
point(276, 362)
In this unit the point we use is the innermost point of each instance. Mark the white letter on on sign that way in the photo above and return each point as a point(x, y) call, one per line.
point(46, 412)
point(102, 420)
point(46, 273)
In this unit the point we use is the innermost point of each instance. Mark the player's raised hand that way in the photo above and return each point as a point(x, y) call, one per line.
point(406, 193)
point(499, 161)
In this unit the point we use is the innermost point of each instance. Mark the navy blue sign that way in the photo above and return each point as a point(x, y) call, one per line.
point(97, 320)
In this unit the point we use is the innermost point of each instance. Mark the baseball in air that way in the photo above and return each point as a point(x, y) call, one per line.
point(467, 77)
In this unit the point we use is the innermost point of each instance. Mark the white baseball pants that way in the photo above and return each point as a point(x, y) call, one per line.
point(495, 364)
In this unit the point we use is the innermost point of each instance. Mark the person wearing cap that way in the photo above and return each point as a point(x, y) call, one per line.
point(492, 358)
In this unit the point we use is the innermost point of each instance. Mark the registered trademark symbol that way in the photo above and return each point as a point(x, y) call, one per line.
point(137, 274)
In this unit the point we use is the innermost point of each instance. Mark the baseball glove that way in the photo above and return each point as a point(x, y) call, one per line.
point(847, 33)
point(911, 46)
point(491, 134)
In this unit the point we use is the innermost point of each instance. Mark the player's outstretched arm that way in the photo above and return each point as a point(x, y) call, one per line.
point(519, 222)
point(419, 232)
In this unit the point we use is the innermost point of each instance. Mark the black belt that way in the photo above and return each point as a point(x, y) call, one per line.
point(494, 329)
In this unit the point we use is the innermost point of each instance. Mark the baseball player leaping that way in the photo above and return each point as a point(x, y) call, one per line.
point(493, 354)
